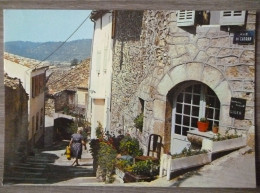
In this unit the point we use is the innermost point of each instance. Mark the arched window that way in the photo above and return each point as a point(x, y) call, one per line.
point(191, 102)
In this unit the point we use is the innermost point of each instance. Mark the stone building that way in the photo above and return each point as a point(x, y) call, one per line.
point(67, 97)
point(32, 75)
point(16, 121)
point(176, 67)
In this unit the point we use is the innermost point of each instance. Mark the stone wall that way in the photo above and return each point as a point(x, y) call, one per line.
point(147, 64)
point(16, 121)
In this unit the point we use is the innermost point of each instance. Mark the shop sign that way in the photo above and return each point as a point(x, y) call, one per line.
point(237, 108)
point(244, 37)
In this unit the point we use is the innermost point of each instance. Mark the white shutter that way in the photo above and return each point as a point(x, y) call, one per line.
point(232, 17)
point(105, 59)
point(98, 61)
point(106, 40)
point(185, 18)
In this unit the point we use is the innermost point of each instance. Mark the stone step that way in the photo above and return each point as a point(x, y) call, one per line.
point(28, 168)
point(25, 174)
point(11, 180)
point(34, 165)
point(38, 160)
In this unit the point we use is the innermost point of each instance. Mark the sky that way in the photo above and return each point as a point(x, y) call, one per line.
point(46, 25)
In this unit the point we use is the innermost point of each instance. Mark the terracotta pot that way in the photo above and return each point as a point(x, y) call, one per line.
point(215, 129)
point(203, 126)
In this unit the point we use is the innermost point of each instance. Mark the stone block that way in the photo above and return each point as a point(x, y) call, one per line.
point(211, 76)
point(202, 57)
point(158, 128)
point(172, 51)
point(177, 40)
point(165, 85)
point(247, 56)
point(203, 43)
point(224, 52)
point(178, 74)
point(181, 60)
point(193, 50)
point(212, 51)
point(229, 60)
point(224, 93)
point(194, 70)
point(225, 119)
point(159, 109)
point(212, 61)
point(220, 42)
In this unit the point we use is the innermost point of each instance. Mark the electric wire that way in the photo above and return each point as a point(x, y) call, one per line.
point(53, 52)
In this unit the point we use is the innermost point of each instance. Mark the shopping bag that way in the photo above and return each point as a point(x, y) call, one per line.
point(68, 152)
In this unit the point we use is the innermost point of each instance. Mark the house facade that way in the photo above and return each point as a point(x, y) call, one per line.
point(67, 97)
point(101, 71)
point(33, 81)
point(16, 121)
point(176, 67)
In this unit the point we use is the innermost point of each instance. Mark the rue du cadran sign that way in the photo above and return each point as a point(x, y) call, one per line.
point(237, 108)
point(244, 37)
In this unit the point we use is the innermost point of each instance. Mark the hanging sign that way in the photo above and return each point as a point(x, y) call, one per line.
point(244, 37)
point(237, 108)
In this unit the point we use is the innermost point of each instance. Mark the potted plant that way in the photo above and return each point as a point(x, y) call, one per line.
point(203, 124)
point(215, 128)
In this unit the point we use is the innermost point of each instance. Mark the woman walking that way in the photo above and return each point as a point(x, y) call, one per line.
point(76, 143)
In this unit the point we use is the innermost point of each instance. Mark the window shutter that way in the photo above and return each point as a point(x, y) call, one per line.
point(98, 61)
point(185, 18)
point(105, 58)
point(232, 17)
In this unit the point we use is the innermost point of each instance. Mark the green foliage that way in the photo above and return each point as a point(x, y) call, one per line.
point(107, 159)
point(227, 135)
point(139, 121)
point(145, 168)
point(130, 146)
point(203, 119)
point(188, 152)
point(124, 165)
point(99, 131)
point(94, 148)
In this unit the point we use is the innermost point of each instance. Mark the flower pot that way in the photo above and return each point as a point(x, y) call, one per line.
point(215, 129)
point(203, 126)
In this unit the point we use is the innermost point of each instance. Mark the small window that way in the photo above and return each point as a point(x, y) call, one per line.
point(232, 17)
point(185, 18)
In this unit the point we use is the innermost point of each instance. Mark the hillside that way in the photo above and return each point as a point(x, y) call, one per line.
point(78, 49)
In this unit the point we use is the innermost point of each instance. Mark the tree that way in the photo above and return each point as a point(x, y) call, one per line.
point(74, 62)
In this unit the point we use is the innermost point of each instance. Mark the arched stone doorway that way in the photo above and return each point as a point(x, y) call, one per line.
point(208, 75)
point(191, 100)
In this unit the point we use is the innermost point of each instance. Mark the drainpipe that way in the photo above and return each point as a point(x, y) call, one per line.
point(89, 111)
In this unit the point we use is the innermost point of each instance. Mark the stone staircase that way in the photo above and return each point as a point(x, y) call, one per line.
point(31, 171)
point(47, 168)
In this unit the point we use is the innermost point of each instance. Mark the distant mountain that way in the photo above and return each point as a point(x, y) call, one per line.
point(77, 49)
